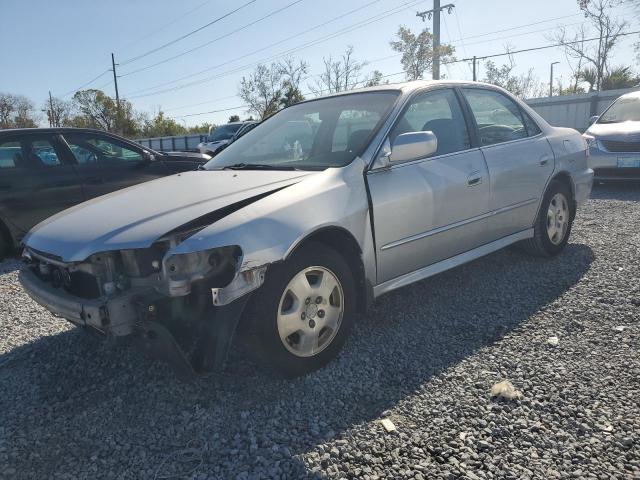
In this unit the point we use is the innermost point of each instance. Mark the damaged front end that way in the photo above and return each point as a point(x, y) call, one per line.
point(183, 308)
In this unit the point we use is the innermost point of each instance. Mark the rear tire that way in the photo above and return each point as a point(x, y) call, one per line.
point(305, 310)
point(553, 224)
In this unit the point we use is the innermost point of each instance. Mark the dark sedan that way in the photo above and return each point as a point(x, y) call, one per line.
point(45, 170)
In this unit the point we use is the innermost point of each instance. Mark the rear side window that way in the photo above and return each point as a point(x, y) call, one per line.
point(10, 154)
point(499, 119)
point(44, 153)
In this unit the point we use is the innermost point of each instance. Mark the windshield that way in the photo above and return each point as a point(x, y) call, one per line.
point(329, 132)
point(622, 110)
point(224, 132)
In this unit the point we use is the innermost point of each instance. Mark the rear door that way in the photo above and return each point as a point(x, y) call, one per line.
point(107, 164)
point(430, 209)
point(37, 179)
point(519, 158)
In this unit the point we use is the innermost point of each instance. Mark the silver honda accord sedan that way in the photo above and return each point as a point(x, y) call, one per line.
point(284, 236)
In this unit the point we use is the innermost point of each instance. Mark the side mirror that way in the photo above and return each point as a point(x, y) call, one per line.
point(412, 146)
point(147, 156)
point(594, 119)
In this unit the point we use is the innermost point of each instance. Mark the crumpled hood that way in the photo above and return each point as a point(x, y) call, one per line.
point(623, 131)
point(137, 216)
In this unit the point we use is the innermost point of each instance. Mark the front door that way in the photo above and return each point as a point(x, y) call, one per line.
point(107, 164)
point(430, 209)
point(519, 158)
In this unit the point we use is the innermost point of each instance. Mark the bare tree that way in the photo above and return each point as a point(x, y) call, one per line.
point(417, 52)
point(17, 111)
point(525, 85)
point(58, 111)
point(339, 75)
point(597, 54)
point(269, 88)
point(7, 108)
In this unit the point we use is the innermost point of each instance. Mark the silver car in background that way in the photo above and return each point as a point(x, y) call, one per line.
point(614, 140)
point(290, 231)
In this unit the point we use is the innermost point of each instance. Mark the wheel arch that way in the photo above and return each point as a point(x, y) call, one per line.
point(6, 235)
point(345, 244)
point(565, 177)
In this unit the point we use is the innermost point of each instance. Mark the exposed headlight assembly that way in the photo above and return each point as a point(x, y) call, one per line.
point(218, 265)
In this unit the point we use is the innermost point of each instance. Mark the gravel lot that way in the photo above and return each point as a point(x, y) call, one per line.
point(425, 357)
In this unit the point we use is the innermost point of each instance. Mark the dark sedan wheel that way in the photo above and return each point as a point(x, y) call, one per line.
point(305, 309)
point(553, 225)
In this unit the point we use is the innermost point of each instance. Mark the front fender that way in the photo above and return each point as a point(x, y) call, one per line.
point(269, 229)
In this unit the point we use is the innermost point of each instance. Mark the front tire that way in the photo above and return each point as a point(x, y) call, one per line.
point(553, 224)
point(305, 310)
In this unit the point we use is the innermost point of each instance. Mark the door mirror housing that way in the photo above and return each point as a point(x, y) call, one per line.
point(594, 119)
point(147, 156)
point(413, 146)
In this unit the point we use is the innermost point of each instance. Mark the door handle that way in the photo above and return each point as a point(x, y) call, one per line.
point(544, 161)
point(5, 186)
point(474, 179)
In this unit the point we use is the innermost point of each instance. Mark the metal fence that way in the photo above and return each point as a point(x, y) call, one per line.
point(180, 143)
point(574, 111)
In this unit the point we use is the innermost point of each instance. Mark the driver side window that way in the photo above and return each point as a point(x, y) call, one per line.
point(89, 148)
point(439, 112)
point(499, 119)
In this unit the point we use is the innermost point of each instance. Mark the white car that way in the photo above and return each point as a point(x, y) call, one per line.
point(220, 137)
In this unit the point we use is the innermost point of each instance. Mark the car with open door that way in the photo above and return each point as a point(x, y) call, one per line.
point(299, 224)
point(46, 170)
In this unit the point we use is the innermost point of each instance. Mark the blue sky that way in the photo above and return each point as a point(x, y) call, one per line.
point(61, 45)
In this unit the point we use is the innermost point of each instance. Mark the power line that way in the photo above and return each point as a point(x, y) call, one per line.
point(275, 12)
point(182, 37)
point(148, 91)
point(85, 84)
point(273, 57)
point(163, 27)
point(259, 50)
point(525, 50)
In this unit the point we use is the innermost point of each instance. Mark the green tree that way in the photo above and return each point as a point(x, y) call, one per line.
point(234, 118)
point(417, 52)
point(161, 126)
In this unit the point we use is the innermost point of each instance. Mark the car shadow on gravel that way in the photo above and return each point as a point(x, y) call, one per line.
point(625, 191)
point(111, 403)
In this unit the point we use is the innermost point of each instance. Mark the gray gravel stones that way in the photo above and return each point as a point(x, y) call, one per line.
point(425, 358)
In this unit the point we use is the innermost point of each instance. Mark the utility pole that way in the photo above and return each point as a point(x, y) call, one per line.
point(52, 118)
point(551, 79)
point(475, 76)
point(435, 14)
point(115, 82)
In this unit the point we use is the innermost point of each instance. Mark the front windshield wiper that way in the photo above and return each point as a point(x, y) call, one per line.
point(257, 166)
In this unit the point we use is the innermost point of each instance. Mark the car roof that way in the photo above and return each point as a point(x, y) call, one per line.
point(635, 94)
point(406, 87)
point(14, 131)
